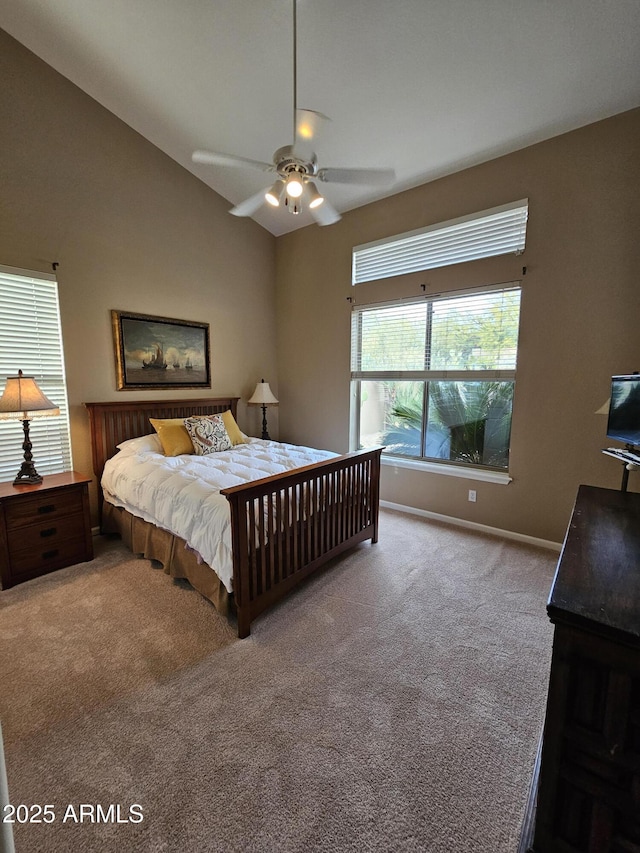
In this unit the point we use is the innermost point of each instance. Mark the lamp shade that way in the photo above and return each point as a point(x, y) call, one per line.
point(295, 187)
point(262, 396)
point(23, 400)
point(313, 196)
point(274, 194)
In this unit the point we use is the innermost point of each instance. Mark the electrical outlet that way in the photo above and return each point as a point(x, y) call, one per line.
point(472, 495)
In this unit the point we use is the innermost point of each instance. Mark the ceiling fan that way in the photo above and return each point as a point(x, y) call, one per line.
point(296, 166)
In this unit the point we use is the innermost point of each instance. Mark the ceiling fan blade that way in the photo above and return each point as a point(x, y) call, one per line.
point(372, 177)
point(249, 205)
point(308, 125)
point(324, 214)
point(213, 158)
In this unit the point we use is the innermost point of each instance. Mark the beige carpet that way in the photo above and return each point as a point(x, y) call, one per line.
point(392, 704)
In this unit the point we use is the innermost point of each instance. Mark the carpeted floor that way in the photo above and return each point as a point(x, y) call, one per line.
point(394, 703)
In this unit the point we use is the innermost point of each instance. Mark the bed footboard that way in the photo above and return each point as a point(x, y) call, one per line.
point(287, 526)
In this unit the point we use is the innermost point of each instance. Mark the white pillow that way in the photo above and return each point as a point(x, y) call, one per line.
point(139, 445)
point(208, 434)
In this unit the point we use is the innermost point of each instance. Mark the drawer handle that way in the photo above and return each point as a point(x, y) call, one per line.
point(47, 555)
point(50, 531)
point(47, 508)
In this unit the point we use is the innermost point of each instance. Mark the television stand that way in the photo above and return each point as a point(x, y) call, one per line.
point(627, 465)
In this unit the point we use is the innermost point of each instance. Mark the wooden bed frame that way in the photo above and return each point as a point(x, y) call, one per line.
point(284, 527)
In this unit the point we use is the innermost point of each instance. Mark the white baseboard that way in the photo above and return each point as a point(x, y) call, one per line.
point(473, 525)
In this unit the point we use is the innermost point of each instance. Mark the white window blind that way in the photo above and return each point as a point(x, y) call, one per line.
point(499, 231)
point(31, 341)
point(466, 332)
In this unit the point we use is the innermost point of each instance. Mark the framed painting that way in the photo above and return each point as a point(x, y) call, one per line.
point(158, 352)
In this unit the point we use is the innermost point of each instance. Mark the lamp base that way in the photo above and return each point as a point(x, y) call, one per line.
point(265, 431)
point(27, 475)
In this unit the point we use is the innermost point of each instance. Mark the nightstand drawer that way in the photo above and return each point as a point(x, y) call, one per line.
point(46, 557)
point(47, 506)
point(46, 535)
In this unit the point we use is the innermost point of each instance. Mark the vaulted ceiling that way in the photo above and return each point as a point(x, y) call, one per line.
point(426, 87)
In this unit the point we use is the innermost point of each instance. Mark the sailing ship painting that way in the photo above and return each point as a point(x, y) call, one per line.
point(160, 352)
point(156, 362)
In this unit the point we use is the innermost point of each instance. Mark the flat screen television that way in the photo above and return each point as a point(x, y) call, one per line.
point(624, 410)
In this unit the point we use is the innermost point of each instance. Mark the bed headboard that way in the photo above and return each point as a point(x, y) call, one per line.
point(112, 423)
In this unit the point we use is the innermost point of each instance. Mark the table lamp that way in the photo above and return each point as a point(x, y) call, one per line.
point(263, 396)
point(22, 400)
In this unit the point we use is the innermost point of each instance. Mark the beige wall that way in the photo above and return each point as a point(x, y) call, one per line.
point(579, 321)
point(133, 230)
point(130, 230)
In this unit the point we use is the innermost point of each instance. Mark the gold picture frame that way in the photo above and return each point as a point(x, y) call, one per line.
point(160, 352)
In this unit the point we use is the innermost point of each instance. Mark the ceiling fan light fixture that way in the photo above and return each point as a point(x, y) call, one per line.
point(294, 185)
point(274, 194)
point(315, 199)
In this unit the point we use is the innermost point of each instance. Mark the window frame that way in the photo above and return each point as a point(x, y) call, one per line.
point(426, 375)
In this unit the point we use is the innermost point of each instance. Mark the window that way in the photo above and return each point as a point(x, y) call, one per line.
point(434, 378)
point(30, 340)
point(498, 231)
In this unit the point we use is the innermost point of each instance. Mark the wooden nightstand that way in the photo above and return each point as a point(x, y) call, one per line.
point(44, 527)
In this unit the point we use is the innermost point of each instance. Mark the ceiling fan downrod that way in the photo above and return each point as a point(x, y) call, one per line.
point(295, 68)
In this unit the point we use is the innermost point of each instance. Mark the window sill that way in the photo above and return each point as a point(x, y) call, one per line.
point(500, 477)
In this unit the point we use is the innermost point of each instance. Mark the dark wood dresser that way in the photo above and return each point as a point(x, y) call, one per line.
point(589, 776)
point(44, 527)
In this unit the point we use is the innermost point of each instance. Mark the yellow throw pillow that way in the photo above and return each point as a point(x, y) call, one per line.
point(173, 436)
point(233, 430)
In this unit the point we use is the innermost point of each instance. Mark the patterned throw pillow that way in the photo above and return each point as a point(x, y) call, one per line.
point(208, 435)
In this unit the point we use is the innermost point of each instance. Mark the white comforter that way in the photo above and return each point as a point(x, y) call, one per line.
point(182, 493)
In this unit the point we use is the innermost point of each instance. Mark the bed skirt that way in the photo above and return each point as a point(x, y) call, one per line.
point(176, 558)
